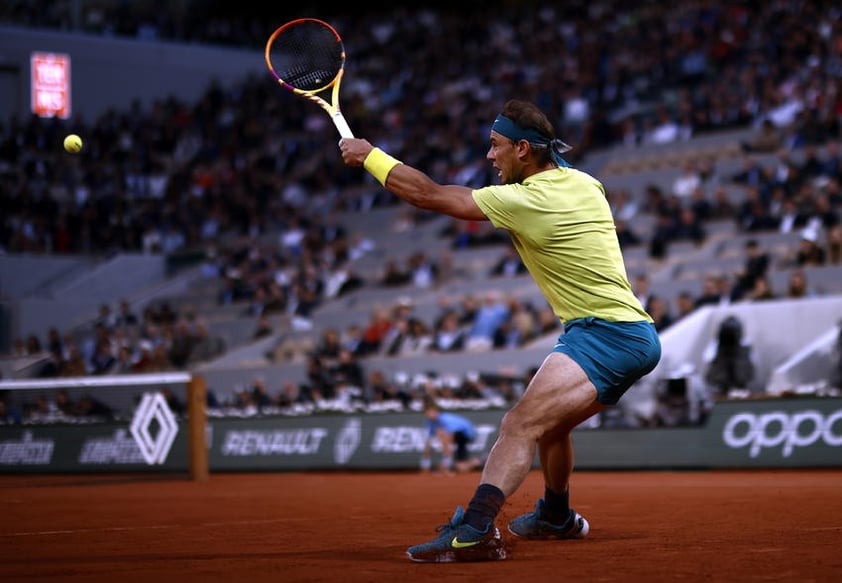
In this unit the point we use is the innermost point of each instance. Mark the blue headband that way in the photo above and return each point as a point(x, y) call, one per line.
point(506, 127)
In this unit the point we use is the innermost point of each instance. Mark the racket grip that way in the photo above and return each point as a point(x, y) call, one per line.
point(342, 125)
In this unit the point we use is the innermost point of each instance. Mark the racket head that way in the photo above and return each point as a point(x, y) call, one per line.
point(306, 55)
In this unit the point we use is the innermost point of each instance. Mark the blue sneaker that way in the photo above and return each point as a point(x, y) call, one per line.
point(533, 526)
point(460, 542)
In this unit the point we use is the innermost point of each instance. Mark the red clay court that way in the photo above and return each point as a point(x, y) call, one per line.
point(322, 527)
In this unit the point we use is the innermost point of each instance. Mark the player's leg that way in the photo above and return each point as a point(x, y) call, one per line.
point(560, 393)
point(612, 356)
point(559, 397)
point(552, 517)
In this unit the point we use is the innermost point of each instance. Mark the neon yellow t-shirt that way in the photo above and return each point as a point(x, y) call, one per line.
point(561, 225)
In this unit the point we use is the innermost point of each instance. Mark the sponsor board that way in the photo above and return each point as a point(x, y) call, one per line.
point(366, 442)
point(26, 450)
point(781, 431)
point(154, 428)
point(774, 433)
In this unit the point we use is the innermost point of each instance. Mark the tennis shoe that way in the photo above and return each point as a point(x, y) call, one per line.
point(460, 542)
point(533, 525)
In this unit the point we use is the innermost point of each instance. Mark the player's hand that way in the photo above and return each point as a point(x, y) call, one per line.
point(354, 150)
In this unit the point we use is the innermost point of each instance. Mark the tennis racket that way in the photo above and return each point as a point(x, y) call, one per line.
point(307, 57)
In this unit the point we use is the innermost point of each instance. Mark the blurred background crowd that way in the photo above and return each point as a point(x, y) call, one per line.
point(425, 82)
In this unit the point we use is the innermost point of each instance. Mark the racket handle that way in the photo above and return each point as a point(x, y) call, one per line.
point(342, 125)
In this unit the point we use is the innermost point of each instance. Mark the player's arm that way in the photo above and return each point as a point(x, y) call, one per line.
point(410, 184)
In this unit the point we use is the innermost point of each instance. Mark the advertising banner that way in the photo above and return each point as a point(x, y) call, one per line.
point(769, 433)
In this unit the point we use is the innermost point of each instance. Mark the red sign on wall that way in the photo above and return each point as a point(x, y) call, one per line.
point(51, 85)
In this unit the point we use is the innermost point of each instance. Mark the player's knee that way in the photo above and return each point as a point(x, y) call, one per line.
point(515, 424)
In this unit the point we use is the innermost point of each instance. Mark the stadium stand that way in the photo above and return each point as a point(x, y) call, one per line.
point(228, 229)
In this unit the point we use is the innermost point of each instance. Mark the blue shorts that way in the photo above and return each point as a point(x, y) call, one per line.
point(614, 355)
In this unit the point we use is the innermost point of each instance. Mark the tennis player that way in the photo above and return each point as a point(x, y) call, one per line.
point(560, 222)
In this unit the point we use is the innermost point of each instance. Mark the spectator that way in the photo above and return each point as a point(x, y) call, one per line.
point(809, 252)
point(181, 344)
point(53, 366)
point(661, 237)
point(90, 406)
point(491, 314)
point(290, 395)
point(33, 345)
point(125, 317)
point(823, 216)
point(761, 291)
point(124, 361)
point(393, 275)
point(319, 381)
point(689, 227)
point(797, 286)
point(103, 359)
point(548, 322)
point(626, 236)
point(260, 394)
point(411, 338)
point(352, 338)
point(263, 328)
point(623, 207)
point(767, 139)
point(685, 304)
point(756, 265)
point(672, 407)
point(722, 209)
point(658, 308)
point(10, 414)
point(789, 217)
point(64, 403)
point(329, 347)
point(834, 245)
point(55, 343)
point(688, 180)
point(449, 336)
point(509, 264)
point(74, 365)
point(375, 331)
point(701, 206)
point(711, 294)
point(348, 376)
point(379, 389)
point(523, 322)
point(206, 345)
point(732, 366)
point(754, 216)
point(423, 272)
point(642, 288)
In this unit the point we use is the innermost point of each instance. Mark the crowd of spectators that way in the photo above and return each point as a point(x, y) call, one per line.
point(245, 158)
point(122, 342)
point(246, 161)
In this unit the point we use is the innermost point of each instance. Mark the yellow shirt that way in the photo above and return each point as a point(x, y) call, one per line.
point(561, 225)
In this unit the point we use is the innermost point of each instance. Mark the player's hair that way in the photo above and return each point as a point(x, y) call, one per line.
point(529, 116)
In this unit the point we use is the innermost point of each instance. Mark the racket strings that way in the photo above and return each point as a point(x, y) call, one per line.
point(307, 57)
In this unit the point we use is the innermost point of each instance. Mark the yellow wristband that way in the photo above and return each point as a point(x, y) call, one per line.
point(379, 164)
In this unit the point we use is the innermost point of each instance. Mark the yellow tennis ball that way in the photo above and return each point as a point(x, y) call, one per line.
point(72, 143)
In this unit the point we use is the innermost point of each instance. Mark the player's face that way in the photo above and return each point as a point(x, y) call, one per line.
point(503, 154)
